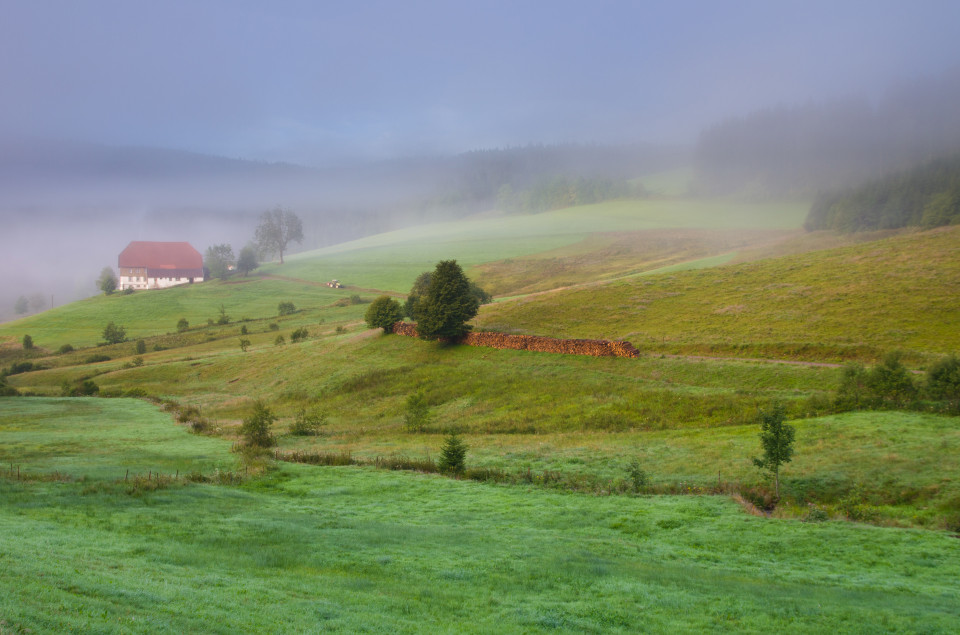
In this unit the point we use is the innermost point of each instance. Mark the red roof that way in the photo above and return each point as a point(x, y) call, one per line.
point(153, 255)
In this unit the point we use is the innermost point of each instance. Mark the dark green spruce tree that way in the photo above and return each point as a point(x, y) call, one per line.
point(448, 304)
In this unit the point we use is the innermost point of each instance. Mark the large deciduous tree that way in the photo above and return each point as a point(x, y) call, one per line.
point(448, 304)
point(278, 227)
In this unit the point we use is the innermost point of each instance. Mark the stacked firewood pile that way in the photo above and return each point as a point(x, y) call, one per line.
point(594, 348)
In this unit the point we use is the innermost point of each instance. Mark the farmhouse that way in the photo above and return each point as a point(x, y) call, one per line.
point(155, 265)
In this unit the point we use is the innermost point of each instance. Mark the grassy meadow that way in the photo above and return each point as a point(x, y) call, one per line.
point(391, 261)
point(852, 302)
point(226, 541)
point(355, 549)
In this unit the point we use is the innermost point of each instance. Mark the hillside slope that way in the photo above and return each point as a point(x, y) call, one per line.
point(849, 302)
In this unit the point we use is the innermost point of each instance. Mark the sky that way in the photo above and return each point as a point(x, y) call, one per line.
point(322, 82)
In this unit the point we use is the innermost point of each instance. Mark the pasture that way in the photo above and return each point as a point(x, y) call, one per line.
point(354, 549)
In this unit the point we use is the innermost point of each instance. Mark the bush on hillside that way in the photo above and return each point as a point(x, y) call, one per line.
point(299, 334)
point(182, 325)
point(6, 390)
point(417, 414)
point(888, 384)
point(27, 342)
point(453, 455)
point(943, 383)
point(286, 308)
point(113, 334)
point(86, 388)
point(383, 313)
point(256, 428)
point(890, 380)
point(21, 367)
point(308, 423)
point(66, 348)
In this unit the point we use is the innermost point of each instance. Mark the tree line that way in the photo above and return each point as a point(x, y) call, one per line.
point(925, 196)
point(560, 191)
point(278, 228)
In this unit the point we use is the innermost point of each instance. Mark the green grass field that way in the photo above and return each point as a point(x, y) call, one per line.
point(354, 549)
point(259, 546)
point(149, 313)
point(856, 301)
point(393, 260)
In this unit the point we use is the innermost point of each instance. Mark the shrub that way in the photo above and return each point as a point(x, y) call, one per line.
point(943, 383)
point(417, 415)
point(383, 313)
point(308, 423)
point(137, 361)
point(274, 326)
point(224, 319)
point(299, 334)
point(140, 348)
point(244, 343)
point(66, 348)
point(280, 340)
point(637, 475)
point(890, 381)
point(94, 359)
point(7, 390)
point(286, 308)
point(855, 507)
point(355, 299)
point(243, 330)
point(27, 342)
point(853, 393)
point(182, 325)
point(256, 428)
point(340, 330)
point(113, 334)
point(128, 291)
point(453, 455)
point(85, 388)
point(20, 367)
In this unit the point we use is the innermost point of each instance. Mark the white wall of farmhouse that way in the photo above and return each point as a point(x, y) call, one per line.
point(132, 278)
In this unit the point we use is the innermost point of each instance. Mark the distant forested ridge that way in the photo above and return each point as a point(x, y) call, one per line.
point(560, 192)
point(926, 196)
point(539, 177)
point(798, 151)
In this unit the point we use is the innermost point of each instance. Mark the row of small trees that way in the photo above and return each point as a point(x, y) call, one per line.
point(890, 385)
point(278, 228)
